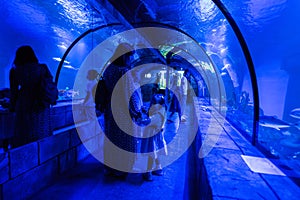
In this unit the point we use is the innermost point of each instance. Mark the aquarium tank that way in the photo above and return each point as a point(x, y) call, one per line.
point(243, 56)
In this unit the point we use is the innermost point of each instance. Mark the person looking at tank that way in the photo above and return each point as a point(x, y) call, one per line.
point(32, 113)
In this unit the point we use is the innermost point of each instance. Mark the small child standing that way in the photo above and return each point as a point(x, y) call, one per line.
point(154, 141)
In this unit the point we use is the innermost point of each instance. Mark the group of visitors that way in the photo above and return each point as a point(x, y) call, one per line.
point(146, 124)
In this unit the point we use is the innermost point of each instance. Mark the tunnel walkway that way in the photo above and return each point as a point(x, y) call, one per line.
point(223, 174)
point(88, 181)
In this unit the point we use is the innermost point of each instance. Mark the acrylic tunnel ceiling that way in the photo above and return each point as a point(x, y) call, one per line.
point(269, 27)
point(64, 32)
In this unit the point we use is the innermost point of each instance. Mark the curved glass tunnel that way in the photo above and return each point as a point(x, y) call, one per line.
point(66, 34)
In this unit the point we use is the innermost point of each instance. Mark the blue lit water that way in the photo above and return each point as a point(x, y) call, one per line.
point(270, 28)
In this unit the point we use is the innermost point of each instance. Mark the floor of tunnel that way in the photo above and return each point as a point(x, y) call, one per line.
point(88, 181)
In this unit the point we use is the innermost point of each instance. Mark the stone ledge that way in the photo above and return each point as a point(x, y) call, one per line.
point(28, 183)
point(23, 158)
point(75, 140)
point(54, 145)
point(27, 169)
point(28, 175)
point(4, 168)
point(81, 152)
point(67, 160)
point(228, 176)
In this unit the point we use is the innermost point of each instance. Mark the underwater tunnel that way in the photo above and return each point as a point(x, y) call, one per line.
point(242, 57)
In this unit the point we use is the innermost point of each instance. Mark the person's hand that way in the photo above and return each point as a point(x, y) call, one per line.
point(143, 121)
point(144, 109)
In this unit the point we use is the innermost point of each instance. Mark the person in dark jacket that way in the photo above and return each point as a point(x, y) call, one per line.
point(116, 162)
point(32, 115)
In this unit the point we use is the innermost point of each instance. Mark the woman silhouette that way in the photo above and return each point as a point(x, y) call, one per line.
point(32, 115)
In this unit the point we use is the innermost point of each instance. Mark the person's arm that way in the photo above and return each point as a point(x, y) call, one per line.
point(157, 116)
point(87, 96)
point(88, 92)
point(135, 106)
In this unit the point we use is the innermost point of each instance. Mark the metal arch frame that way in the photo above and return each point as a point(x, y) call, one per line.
point(183, 32)
point(250, 64)
point(194, 58)
point(75, 42)
point(135, 25)
point(238, 34)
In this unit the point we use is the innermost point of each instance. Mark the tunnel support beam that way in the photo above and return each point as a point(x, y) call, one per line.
point(250, 64)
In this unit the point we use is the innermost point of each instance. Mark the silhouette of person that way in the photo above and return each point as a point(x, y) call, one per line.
point(120, 63)
point(184, 92)
point(89, 101)
point(174, 106)
point(154, 140)
point(32, 115)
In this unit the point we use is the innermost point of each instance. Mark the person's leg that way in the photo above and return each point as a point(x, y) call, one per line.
point(158, 171)
point(148, 175)
point(183, 107)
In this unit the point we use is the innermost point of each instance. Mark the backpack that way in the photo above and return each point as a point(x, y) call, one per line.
point(48, 89)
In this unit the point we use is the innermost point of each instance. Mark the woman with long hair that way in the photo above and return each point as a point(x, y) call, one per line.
point(32, 115)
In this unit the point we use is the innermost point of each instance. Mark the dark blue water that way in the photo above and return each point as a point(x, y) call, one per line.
point(270, 28)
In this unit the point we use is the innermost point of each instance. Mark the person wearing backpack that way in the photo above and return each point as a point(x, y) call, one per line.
point(27, 97)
